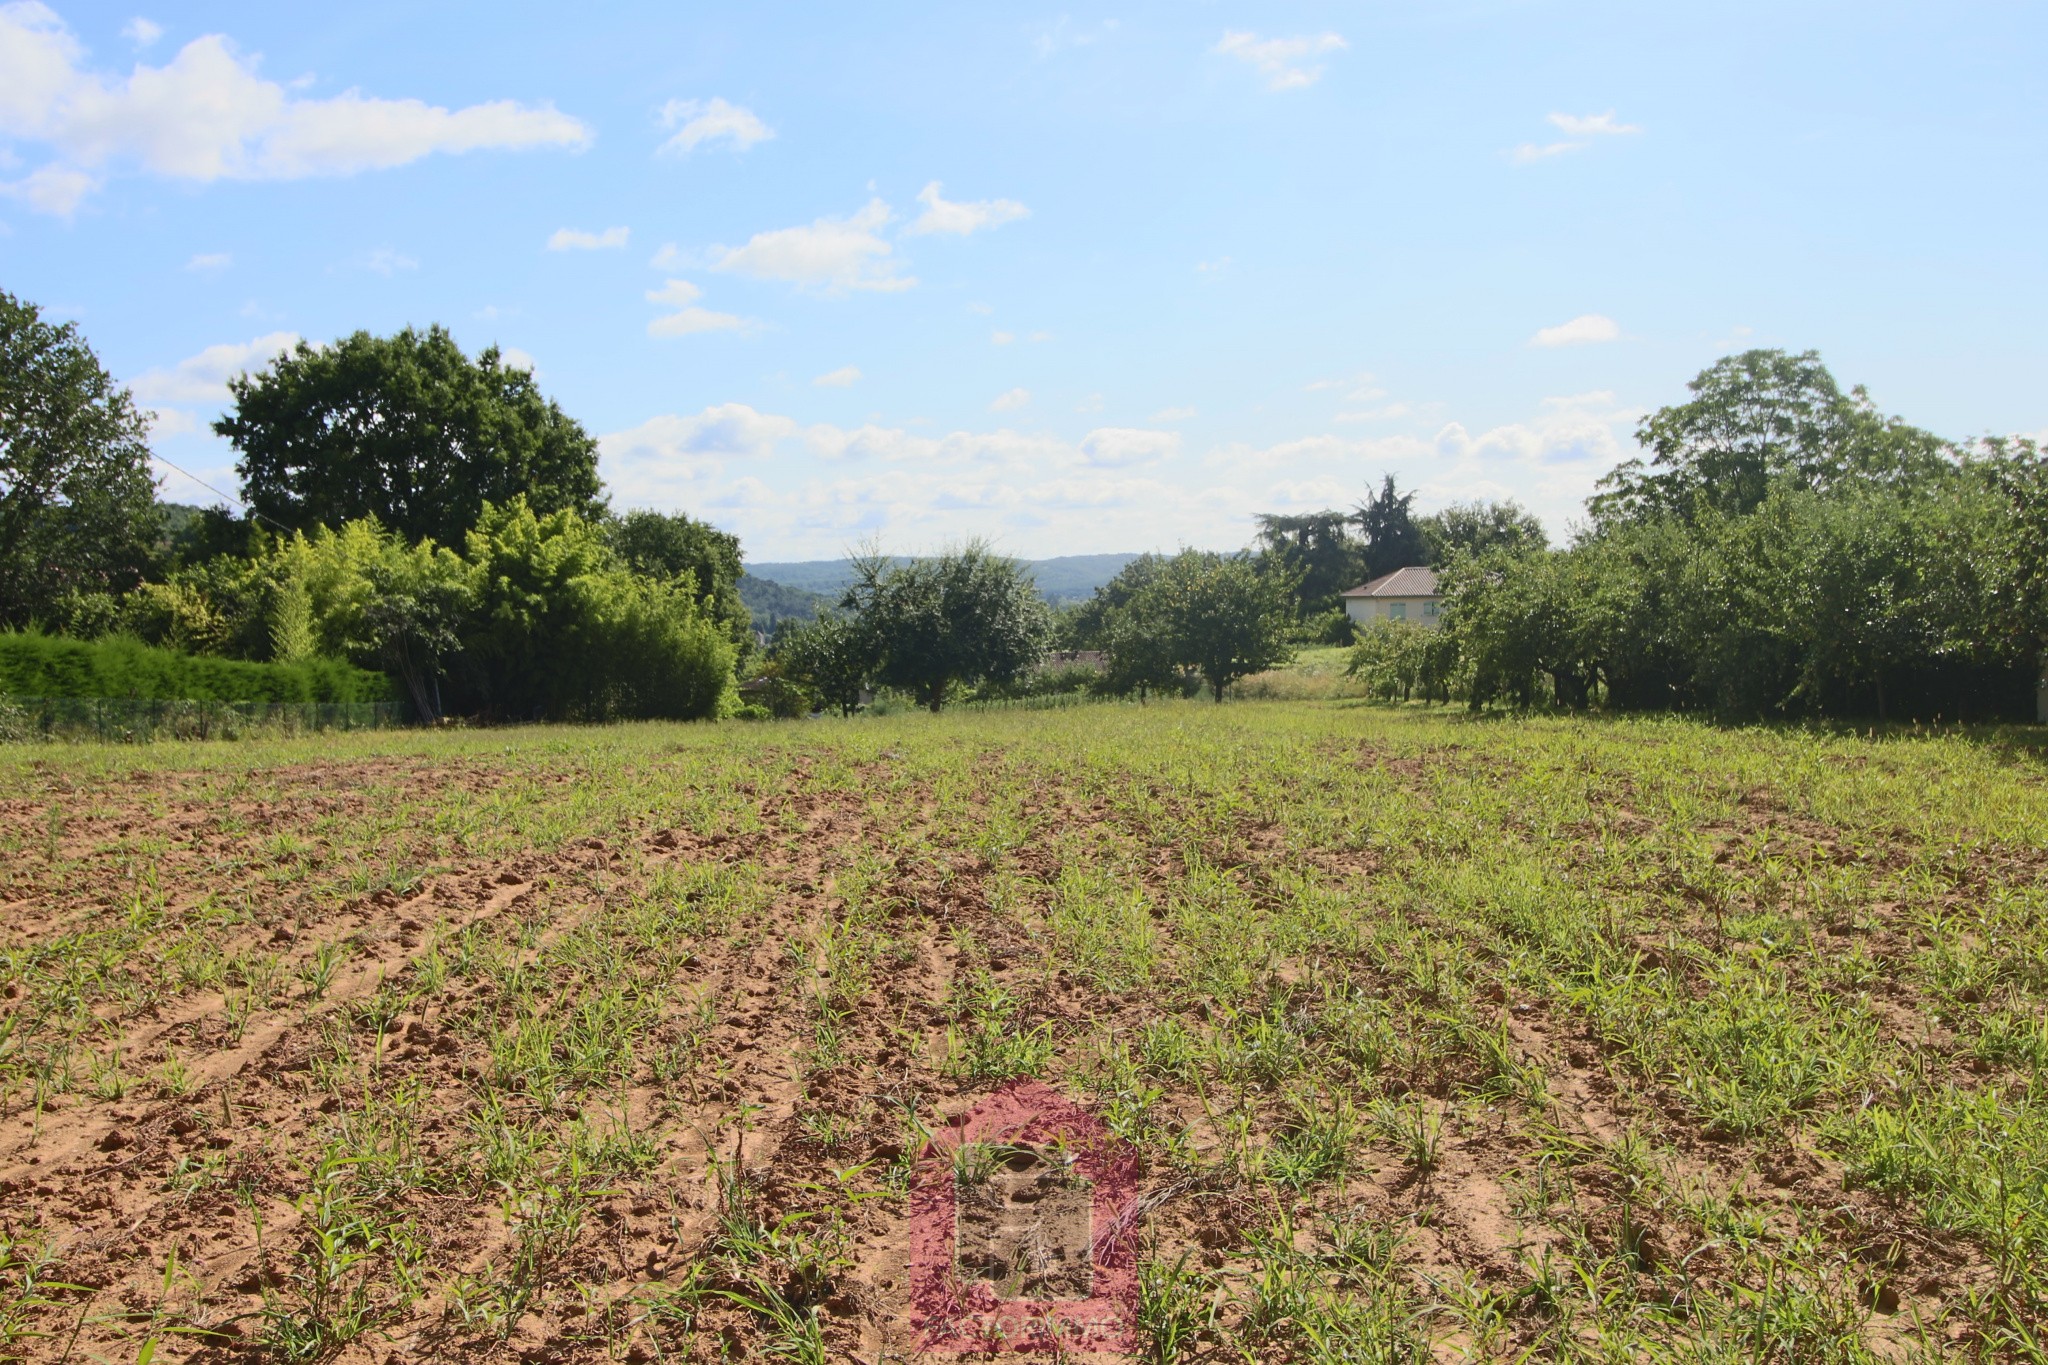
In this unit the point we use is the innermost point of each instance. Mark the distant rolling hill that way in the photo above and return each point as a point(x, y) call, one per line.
point(770, 601)
point(1065, 578)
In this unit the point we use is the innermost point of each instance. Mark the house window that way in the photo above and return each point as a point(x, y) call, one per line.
point(1397, 611)
point(1429, 609)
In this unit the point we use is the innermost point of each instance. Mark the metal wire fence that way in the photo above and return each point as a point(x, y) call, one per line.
point(30, 720)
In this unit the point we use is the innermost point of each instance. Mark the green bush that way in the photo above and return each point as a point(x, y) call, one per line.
point(555, 629)
point(119, 666)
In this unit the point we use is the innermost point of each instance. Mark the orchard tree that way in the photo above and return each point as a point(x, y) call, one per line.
point(830, 656)
point(1141, 654)
point(968, 615)
point(1087, 625)
point(77, 503)
point(1225, 617)
point(406, 429)
point(1122, 620)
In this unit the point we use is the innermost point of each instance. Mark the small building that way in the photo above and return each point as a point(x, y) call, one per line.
point(1408, 594)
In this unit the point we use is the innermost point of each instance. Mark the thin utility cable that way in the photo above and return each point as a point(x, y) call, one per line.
point(218, 494)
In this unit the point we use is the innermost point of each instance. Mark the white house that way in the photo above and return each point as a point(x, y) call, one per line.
point(1404, 595)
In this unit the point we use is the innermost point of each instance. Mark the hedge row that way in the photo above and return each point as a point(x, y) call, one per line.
point(49, 666)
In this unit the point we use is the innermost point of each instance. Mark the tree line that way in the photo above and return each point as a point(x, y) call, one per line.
point(1781, 548)
point(970, 622)
point(408, 509)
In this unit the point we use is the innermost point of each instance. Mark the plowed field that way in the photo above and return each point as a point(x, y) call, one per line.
point(1434, 1039)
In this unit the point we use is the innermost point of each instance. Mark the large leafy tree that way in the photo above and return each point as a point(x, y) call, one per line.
point(969, 615)
point(406, 429)
point(1756, 421)
point(2014, 558)
point(1474, 528)
point(77, 504)
point(1386, 522)
point(1318, 549)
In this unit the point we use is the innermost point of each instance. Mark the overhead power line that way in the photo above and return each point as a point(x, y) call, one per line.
point(228, 497)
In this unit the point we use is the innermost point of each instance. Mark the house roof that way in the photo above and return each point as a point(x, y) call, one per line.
point(1413, 581)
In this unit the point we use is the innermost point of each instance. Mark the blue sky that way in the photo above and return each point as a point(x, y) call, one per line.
point(1078, 280)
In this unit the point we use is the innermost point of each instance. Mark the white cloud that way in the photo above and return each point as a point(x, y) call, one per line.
point(574, 239)
point(833, 254)
point(1389, 413)
point(688, 319)
point(1001, 338)
point(1119, 446)
point(209, 263)
point(1568, 436)
point(691, 321)
point(55, 190)
point(669, 257)
point(1092, 403)
point(141, 31)
point(1173, 414)
point(1593, 125)
point(1583, 330)
point(700, 121)
point(1011, 400)
point(164, 423)
point(1358, 388)
point(842, 378)
point(387, 262)
point(1579, 126)
point(206, 115)
point(675, 293)
point(203, 378)
point(1212, 268)
point(797, 491)
point(1280, 60)
point(512, 358)
point(942, 215)
point(1063, 34)
point(1529, 152)
point(981, 309)
point(663, 460)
